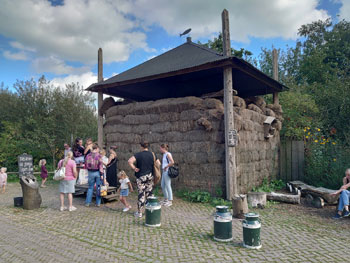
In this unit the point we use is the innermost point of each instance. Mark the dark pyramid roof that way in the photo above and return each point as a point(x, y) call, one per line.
point(187, 55)
point(187, 70)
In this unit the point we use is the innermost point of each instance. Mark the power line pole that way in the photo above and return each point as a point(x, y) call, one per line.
point(99, 100)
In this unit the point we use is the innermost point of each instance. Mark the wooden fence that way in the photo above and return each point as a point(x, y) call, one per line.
point(292, 161)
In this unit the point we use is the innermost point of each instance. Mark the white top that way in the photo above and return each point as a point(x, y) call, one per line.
point(104, 160)
point(166, 161)
point(124, 183)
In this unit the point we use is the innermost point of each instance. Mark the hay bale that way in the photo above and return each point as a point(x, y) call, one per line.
point(216, 114)
point(218, 137)
point(126, 138)
point(205, 123)
point(169, 116)
point(239, 102)
point(106, 104)
point(269, 112)
point(255, 108)
point(246, 114)
point(152, 137)
point(257, 117)
point(190, 115)
point(213, 104)
point(248, 125)
point(161, 127)
point(120, 128)
point(179, 147)
point(277, 125)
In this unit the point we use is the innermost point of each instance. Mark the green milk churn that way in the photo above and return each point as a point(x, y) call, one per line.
point(251, 231)
point(222, 224)
point(153, 212)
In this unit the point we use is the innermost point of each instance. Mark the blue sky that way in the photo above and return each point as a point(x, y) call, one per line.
point(60, 39)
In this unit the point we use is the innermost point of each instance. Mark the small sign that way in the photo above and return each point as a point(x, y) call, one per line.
point(232, 138)
point(25, 165)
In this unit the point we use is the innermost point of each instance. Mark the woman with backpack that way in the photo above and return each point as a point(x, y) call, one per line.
point(94, 165)
point(167, 161)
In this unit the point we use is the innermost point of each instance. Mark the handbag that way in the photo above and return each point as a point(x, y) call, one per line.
point(156, 170)
point(173, 171)
point(60, 174)
point(103, 190)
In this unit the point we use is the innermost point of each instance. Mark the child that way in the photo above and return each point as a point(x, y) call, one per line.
point(3, 178)
point(124, 189)
point(43, 173)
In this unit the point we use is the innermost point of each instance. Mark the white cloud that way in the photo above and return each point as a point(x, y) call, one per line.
point(84, 80)
point(55, 65)
point(20, 46)
point(72, 31)
point(256, 18)
point(15, 55)
point(344, 12)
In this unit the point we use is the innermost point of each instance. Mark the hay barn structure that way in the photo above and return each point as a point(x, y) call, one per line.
point(177, 98)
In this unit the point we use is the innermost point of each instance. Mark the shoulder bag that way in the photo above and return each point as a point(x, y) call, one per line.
point(60, 174)
point(173, 171)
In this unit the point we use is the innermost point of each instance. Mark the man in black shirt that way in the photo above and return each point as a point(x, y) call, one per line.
point(142, 163)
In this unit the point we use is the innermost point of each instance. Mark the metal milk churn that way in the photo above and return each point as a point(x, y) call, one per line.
point(222, 224)
point(251, 231)
point(153, 212)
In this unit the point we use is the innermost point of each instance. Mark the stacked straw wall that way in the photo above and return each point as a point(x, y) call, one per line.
point(194, 129)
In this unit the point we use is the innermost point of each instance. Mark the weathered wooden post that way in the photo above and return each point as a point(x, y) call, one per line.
point(231, 180)
point(100, 100)
point(239, 202)
point(275, 73)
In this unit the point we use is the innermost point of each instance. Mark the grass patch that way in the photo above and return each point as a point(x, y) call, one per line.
point(268, 187)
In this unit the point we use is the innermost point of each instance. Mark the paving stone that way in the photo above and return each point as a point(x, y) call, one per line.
point(106, 234)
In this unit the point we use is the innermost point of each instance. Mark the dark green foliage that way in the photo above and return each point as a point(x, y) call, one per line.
point(200, 196)
point(38, 119)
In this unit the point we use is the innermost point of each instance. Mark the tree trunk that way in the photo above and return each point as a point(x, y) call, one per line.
point(292, 199)
point(239, 206)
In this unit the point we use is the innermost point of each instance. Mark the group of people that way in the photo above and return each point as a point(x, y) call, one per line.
point(102, 171)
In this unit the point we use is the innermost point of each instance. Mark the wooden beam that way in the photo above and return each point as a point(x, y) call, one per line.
point(100, 100)
point(275, 73)
point(230, 152)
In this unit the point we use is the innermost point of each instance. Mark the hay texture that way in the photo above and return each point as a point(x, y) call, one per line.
point(194, 129)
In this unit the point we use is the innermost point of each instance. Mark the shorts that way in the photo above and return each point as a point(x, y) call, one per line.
point(79, 160)
point(67, 186)
point(124, 192)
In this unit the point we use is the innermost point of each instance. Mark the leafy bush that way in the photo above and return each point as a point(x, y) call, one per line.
point(267, 186)
point(200, 196)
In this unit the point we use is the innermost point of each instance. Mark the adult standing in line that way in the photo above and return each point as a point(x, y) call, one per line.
point(142, 163)
point(66, 149)
point(67, 184)
point(88, 147)
point(167, 161)
point(112, 167)
point(94, 165)
point(78, 153)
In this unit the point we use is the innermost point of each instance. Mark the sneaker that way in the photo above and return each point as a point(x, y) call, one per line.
point(163, 202)
point(337, 216)
point(126, 209)
point(346, 214)
point(71, 209)
point(87, 205)
point(169, 203)
point(62, 208)
point(137, 214)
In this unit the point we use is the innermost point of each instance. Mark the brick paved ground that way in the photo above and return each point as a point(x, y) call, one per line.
point(106, 234)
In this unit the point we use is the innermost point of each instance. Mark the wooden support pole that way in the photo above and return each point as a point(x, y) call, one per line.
point(275, 73)
point(100, 100)
point(230, 155)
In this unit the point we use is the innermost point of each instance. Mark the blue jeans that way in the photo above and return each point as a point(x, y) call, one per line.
point(343, 199)
point(166, 185)
point(94, 177)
